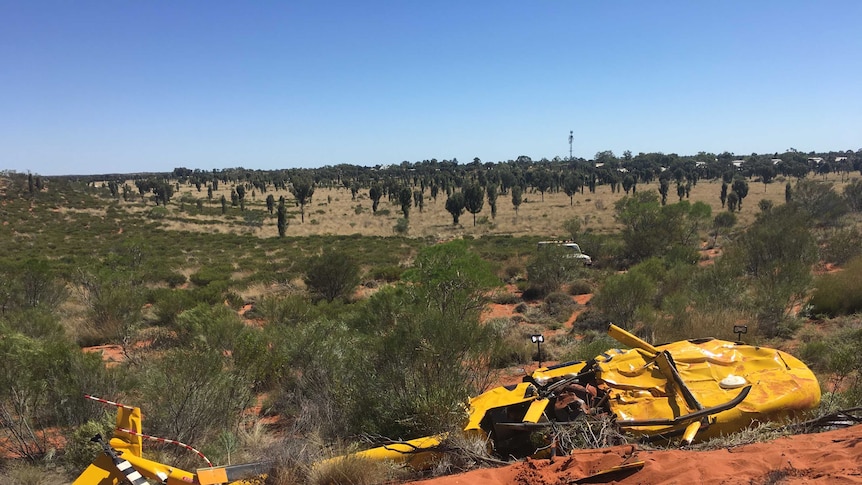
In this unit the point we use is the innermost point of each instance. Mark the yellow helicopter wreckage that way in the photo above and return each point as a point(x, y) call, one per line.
point(691, 390)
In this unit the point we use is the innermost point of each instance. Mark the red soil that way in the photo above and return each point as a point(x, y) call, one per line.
point(831, 457)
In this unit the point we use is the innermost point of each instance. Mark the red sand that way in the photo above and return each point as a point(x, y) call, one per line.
point(832, 457)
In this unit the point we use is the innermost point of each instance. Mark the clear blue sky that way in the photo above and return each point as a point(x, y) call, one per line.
point(126, 86)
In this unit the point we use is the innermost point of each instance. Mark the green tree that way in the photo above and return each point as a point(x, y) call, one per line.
point(628, 183)
point(623, 295)
point(723, 220)
point(542, 181)
point(474, 199)
point(331, 275)
point(740, 187)
point(820, 201)
point(650, 229)
point(270, 203)
point(732, 201)
point(550, 268)
point(375, 193)
point(405, 198)
point(420, 347)
point(517, 197)
point(282, 218)
point(776, 253)
point(455, 205)
point(302, 189)
point(492, 199)
point(663, 188)
point(571, 185)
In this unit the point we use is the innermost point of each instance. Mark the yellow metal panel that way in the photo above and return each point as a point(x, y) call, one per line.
point(101, 472)
point(537, 408)
point(496, 398)
point(211, 476)
point(781, 385)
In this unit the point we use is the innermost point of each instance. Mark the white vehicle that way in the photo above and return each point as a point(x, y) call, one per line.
point(572, 250)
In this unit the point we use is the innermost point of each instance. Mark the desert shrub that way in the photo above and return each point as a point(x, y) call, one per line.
point(174, 279)
point(512, 271)
point(623, 294)
point(402, 226)
point(509, 346)
point(80, 450)
point(388, 273)
point(841, 246)
point(549, 270)
point(592, 344)
point(838, 293)
point(211, 327)
point(559, 306)
point(213, 394)
point(288, 311)
point(413, 352)
point(213, 293)
point(689, 323)
point(591, 319)
point(167, 304)
point(211, 273)
point(157, 213)
point(839, 356)
point(331, 275)
point(37, 323)
point(23, 473)
point(113, 300)
point(35, 375)
point(505, 298)
point(580, 287)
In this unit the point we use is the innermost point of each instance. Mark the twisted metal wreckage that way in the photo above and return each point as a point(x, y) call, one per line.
point(691, 390)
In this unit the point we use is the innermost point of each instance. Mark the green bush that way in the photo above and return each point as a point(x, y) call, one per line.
point(505, 298)
point(559, 306)
point(331, 275)
point(402, 226)
point(387, 273)
point(838, 293)
point(213, 395)
point(591, 319)
point(839, 356)
point(841, 246)
point(580, 287)
point(210, 273)
point(211, 327)
point(593, 344)
point(80, 450)
point(509, 347)
point(157, 213)
point(623, 294)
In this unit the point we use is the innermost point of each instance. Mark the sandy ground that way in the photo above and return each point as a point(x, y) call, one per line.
point(832, 457)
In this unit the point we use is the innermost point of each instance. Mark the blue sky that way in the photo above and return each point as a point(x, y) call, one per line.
point(122, 86)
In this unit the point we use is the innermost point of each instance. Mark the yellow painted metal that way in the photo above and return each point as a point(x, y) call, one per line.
point(102, 471)
point(497, 398)
point(536, 410)
point(212, 476)
point(690, 432)
point(629, 339)
point(781, 385)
